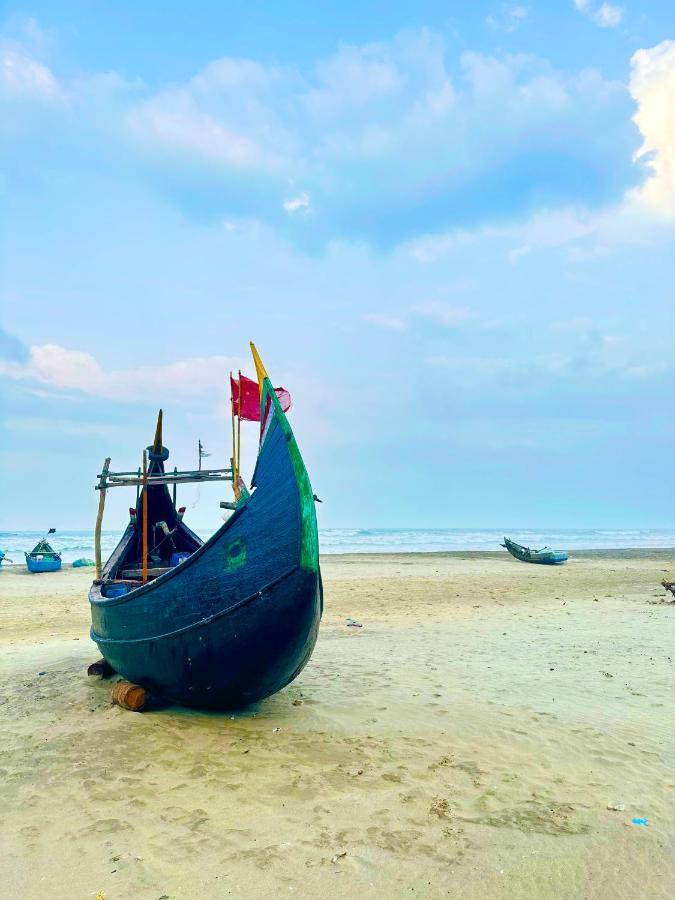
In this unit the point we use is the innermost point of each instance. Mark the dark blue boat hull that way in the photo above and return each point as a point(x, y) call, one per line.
point(231, 659)
point(238, 620)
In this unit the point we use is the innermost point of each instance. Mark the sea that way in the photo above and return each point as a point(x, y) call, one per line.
point(77, 544)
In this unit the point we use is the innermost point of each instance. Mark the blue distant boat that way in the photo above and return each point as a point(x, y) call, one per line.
point(545, 556)
point(43, 557)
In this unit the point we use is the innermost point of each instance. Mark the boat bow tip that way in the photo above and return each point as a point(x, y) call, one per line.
point(260, 369)
point(157, 443)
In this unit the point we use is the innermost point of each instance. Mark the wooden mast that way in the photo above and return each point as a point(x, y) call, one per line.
point(236, 477)
point(99, 520)
point(233, 459)
point(156, 448)
point(144, 564)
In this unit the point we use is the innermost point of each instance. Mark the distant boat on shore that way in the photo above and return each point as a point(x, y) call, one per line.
point(545, 556)
point(43, 557)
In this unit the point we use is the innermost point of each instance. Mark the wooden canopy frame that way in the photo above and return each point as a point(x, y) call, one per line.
point(141, 480)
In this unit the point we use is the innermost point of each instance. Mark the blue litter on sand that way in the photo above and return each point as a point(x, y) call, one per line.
point(639, 821)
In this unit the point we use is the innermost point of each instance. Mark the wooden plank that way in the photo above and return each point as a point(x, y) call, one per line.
point(233, 458)
point(145, 516)
point(236, 473)
point(157, 482)
point(99, 521)
point(170, 474)
point(153, 572)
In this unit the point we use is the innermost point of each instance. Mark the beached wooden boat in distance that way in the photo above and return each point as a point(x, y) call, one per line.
point(545, 556)
point(226, 622)
point(43, 557)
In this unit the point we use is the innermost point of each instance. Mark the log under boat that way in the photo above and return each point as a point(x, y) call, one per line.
point(227, 622)
point(545, 556)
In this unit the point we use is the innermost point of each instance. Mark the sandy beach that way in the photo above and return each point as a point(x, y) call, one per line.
point(491, 731)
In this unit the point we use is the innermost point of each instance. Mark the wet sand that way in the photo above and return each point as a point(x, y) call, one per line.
point(468, 741)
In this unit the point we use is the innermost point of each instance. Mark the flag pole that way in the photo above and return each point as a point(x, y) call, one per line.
point(233, 459)
point(144, 569)
point(239, 426)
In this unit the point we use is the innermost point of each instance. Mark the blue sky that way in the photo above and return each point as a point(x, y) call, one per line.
point(449, 230)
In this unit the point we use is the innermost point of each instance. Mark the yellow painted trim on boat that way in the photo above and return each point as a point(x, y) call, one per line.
point(260, 369)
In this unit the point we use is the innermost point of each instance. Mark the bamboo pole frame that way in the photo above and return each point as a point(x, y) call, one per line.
point(99, 521)
point(234, 441)
point(133, 479)
point(145, 518)
point(238, 428)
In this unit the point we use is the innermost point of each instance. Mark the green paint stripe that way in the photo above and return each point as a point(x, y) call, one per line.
point(309, 535)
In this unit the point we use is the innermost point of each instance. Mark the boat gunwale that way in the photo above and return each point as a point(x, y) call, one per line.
point(206, 620)
point(96, 597)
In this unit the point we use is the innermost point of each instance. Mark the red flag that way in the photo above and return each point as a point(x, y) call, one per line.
point(249, 408)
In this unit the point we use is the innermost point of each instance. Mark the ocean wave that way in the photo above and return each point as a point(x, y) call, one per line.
point(74, 544)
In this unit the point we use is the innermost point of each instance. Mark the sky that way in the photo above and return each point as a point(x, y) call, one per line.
point(448, 227)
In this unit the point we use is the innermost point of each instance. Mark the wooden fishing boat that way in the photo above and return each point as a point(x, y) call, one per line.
point(223, 623)
point(43, 557)
point(545, 556)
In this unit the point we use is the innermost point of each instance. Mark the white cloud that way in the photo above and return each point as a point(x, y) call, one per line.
point(183, 380)
point(637, 218)
point(606, 15)
point(226, 114)
point(353, 78)
point(587, 254)
point(300, 203)
point(509, 18)
point(389, 323)
point(21, 76)
point(442, 313)
point(378, 136)
point(196, 133)
point(552, 228)
point(652, 85)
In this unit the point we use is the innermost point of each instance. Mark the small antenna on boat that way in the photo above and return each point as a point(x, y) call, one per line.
point(202, 454)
